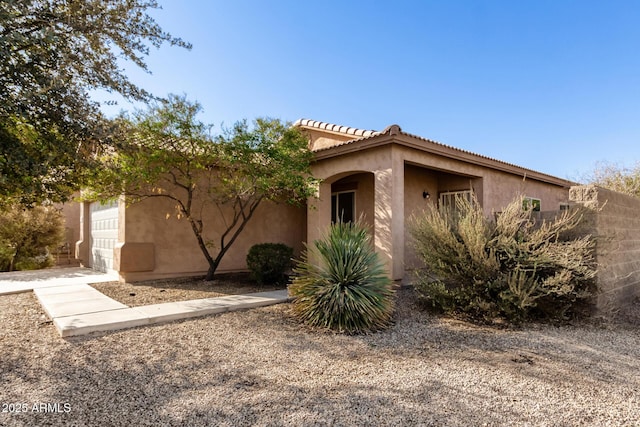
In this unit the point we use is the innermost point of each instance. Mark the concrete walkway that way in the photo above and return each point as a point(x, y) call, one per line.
point(78, 309)
point(25, 281)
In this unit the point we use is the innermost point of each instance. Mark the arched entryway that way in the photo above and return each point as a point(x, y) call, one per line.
point(352, 198)
point(367, 194)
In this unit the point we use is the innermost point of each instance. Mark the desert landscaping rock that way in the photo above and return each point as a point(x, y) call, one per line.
point(174, 290)
point(260, 367)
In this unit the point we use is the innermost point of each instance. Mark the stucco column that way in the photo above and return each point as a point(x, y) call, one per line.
point(319, 213)
point(83, 249)
point(129, 254)
point(389, 217)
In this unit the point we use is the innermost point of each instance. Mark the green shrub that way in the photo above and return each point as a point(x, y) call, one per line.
point(512, 267)
point(27, 236)
point(34, 263)
point(269, 262)
point(6, 256)
point(341, 283)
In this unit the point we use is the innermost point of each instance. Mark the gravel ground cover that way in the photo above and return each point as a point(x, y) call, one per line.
point(156, 292)
point(260, 367)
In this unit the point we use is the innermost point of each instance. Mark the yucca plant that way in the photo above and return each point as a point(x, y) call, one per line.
point(341, 284)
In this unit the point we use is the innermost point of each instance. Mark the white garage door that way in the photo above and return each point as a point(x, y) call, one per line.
point(104, 234)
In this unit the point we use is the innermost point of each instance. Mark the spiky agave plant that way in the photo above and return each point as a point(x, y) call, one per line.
point(341, 284)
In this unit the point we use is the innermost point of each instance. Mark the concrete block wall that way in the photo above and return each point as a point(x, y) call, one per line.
point(614, 219)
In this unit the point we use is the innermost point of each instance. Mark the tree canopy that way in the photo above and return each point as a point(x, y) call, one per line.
point(617, 178)
point(53, 53)
point(166, 152)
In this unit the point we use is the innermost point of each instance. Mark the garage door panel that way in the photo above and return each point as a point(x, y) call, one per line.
point(104, 234)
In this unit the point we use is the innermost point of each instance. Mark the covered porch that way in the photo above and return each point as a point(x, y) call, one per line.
point(384, 189)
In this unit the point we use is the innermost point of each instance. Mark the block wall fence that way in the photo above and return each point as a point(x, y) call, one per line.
point(614, 220)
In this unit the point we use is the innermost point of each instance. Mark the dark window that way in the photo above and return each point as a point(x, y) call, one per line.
point(343, 206)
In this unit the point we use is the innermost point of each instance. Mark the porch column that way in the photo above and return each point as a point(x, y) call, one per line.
point(389, 217)
point(319, 213)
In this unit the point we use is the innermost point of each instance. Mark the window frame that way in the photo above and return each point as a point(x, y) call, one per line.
point(451, 195)
point(537, 207)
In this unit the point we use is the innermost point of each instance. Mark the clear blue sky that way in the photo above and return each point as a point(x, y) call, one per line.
point(552, 85)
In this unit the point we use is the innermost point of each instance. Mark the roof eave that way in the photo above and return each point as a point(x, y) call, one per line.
point(418, 143)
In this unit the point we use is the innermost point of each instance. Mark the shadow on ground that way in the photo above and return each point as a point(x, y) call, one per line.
point(260, 367)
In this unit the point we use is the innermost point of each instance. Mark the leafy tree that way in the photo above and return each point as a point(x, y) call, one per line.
point(53, 53)
point(617, 178)
point(168, 153)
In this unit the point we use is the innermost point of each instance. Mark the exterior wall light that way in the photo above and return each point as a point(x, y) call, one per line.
point(426, 195)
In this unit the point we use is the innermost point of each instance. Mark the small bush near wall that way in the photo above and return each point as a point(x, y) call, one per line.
point(269, 262)
point(27, 236)
point(341, 284)
point(509, 267)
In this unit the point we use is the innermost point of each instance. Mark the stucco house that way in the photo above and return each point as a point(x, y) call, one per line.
point(384, 176)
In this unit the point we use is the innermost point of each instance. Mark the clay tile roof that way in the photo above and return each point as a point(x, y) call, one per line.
point(364, 135)
point(345, 130)
point(389, 130)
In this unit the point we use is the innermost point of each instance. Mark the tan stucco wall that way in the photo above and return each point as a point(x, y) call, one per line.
point(494, 190)
point(71, 214)
point(323, 139)
point(498, 188)
point(154, 238)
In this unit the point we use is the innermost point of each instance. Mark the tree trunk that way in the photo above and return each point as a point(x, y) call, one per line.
point(224, 247)
point(12, 261)
point(213, 263)
point(211, 271)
